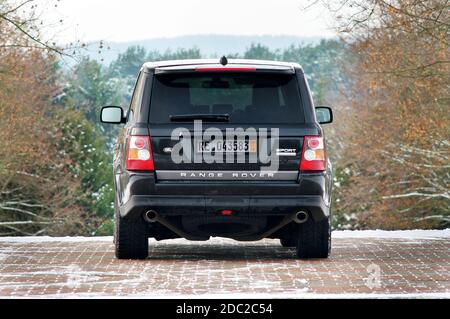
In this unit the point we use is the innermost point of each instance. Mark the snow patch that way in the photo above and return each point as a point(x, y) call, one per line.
point(5, 253)
point(405, 234)
point(76, 276)
point(402, 234)
point(45, 239)
point(300, 294)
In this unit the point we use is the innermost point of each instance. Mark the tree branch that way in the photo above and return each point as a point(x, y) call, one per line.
point(26, 33)
point(417, 194)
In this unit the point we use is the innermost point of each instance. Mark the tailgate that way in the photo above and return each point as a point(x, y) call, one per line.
point(230, 165)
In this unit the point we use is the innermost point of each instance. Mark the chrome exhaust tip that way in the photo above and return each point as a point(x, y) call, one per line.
point(301, 217)
point(151, 216)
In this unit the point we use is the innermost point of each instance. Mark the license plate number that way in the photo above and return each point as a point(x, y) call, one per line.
point(220, 146)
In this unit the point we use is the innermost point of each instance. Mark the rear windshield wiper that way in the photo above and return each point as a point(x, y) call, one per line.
point(206, 117)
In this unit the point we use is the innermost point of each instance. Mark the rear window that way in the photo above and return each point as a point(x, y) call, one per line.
point(245, 97)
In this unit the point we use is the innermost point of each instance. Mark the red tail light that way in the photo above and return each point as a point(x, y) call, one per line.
point(139, 154)
point(313, 155)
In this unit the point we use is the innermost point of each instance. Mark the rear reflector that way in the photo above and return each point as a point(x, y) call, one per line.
point(225, 69)
point(313, 155)
point(139, 154)
point(227, 212)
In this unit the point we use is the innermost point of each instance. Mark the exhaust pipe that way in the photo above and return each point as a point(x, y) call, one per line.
point(151, 216)
point(301, 217)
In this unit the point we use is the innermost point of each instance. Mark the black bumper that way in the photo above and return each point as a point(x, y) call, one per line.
point(141, 192)
point(167, 206)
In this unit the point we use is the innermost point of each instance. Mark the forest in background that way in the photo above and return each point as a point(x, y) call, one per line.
point(386, 77)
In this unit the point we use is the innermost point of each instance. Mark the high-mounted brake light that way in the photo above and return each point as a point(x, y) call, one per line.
point(313, 154)
point(139, 154)
point(224, 69)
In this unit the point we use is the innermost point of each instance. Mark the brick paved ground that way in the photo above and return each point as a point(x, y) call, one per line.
point(79, 267)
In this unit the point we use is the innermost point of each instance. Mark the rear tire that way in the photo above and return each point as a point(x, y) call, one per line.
point(130, 238)
point(287, 242)
point(314, 239)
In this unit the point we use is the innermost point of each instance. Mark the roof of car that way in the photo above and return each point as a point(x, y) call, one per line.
point(199, 62)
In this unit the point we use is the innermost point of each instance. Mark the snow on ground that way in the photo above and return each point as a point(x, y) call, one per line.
point(5, 253)
point(44, 239)
point(296, 295)
point(400, 234)
point(230, 296)
point(84, 267)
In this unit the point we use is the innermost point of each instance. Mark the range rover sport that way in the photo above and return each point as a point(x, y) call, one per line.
point(221, 148)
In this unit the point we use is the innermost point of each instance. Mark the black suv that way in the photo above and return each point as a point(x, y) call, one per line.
point(221, 148)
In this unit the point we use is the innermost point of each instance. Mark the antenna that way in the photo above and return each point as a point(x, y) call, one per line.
point(224, 60)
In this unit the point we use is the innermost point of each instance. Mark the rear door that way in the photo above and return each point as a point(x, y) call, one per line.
point(232, 125)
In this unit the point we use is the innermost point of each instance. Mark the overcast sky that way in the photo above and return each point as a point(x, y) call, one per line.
point(128, 20)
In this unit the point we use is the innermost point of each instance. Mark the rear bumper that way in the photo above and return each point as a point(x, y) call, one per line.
point(253, 206)
point(140, 192)
point(193, 209)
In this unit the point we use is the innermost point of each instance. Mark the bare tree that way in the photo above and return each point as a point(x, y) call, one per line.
point(19, 17)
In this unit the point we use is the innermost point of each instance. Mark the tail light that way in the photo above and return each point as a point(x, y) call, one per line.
point(313, 154)
point(139, 154)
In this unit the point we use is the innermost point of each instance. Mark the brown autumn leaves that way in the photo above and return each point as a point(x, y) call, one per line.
point(37, 194)
point(395, 125)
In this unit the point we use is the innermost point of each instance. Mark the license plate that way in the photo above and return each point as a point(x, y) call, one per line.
point(220, 146)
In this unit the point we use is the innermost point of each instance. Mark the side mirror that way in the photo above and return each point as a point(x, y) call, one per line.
point(324, 114)
point(112, 115)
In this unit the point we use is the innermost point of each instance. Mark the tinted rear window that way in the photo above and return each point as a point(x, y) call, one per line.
point(245, 97)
